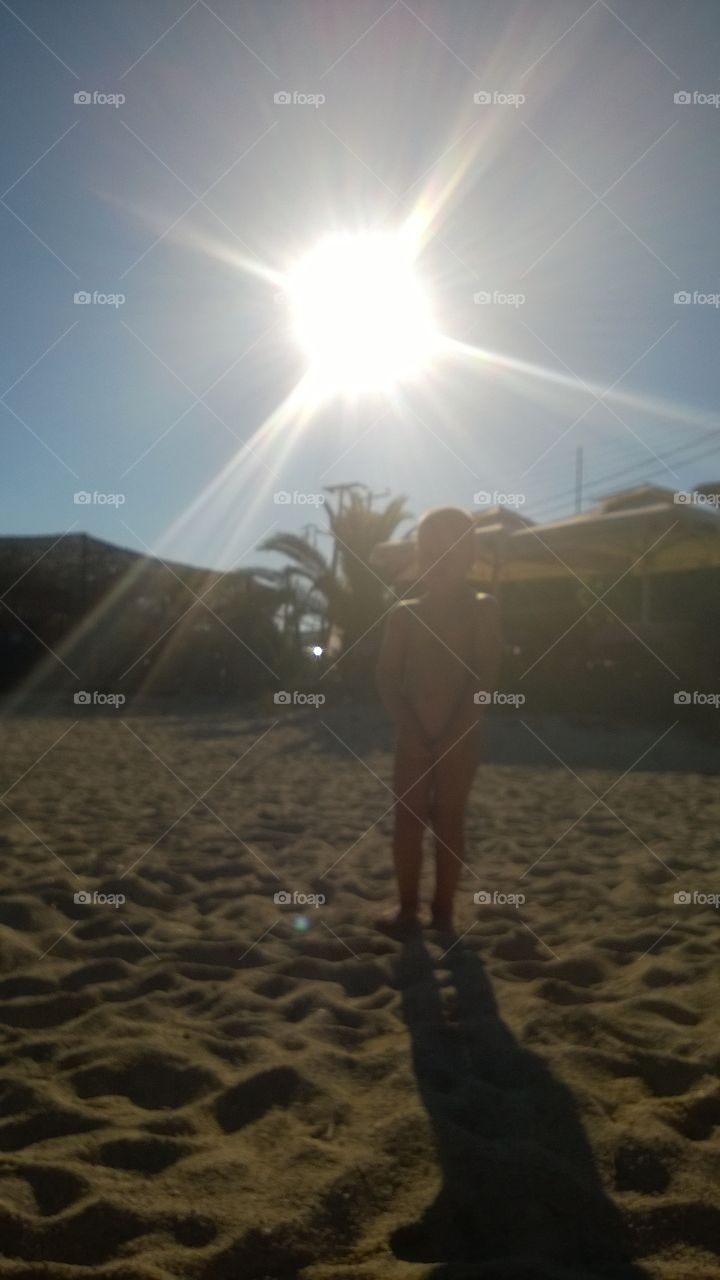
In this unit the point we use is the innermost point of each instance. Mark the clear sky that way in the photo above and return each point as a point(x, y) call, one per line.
point(592, 202)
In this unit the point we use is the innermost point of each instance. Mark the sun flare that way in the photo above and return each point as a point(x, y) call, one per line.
point(361, 313)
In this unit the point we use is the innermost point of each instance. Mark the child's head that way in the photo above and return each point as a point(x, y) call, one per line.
point(444, 547)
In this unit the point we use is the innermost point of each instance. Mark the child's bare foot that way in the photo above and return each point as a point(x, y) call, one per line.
point(442, 921)
point(397, 924)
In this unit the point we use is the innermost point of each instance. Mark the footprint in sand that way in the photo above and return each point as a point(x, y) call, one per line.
point(246, 1102)
point(52, 1121)
point(53, 1188)
point(46, 1013)
point(150, 1080)
point(141, 1155)
point(699, 1118)
point(666, 1076)
point(639, 1167)
point(667, 1009)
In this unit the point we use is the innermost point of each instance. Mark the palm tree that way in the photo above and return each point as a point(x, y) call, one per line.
point(346, 591)
point(294, 597)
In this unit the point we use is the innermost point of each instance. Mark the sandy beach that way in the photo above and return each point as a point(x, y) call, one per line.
point(201, 1082)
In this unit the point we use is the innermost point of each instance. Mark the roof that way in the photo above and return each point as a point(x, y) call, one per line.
point(639, 496)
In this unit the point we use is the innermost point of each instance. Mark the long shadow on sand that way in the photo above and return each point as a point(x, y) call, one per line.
point(521, 1196)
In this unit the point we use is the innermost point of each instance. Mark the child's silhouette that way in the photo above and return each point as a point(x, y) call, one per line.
point(439, 650)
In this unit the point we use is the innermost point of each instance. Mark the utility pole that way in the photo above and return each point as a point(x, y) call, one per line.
point(578, 479)
point(371, 496)
point(310, 533)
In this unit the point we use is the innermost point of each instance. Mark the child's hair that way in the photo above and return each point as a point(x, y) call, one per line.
point(445, 524)
point(445, 544)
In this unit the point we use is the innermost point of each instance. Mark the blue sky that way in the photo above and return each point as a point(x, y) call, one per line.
point(161, 398)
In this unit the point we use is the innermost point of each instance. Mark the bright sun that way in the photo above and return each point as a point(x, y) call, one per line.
point(361, 314)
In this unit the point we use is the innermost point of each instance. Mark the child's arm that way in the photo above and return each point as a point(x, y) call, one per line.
point(389, 673)
point(487, 642)
point(485, 661)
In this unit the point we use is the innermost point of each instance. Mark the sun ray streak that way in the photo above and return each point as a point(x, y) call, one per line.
point(497, 362)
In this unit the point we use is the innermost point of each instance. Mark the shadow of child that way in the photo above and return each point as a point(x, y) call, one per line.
point(521, 1191)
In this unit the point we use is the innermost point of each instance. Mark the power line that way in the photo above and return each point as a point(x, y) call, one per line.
point(636, 466)
point(652, 469)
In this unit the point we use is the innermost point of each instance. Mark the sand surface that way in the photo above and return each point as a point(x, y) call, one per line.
point(202, 1083)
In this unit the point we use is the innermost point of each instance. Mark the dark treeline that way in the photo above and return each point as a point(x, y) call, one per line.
point(84, 614)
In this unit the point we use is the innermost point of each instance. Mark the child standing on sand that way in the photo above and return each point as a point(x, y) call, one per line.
point(438, 651)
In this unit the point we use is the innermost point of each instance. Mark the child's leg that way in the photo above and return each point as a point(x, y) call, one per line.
point(452, 779)
point(411, 784)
